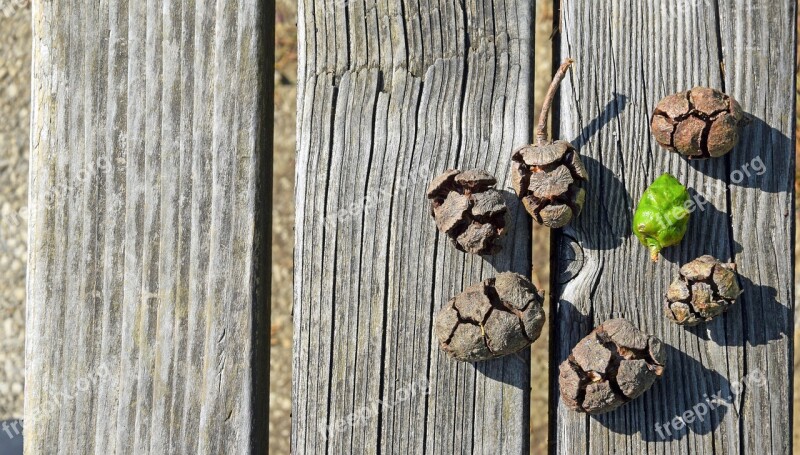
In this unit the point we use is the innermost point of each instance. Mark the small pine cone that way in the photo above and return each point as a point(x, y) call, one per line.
point(469, 210)
point(496, 317)
point(699, 123)
point(548, 180)
point(610, 367)
point(705, 289)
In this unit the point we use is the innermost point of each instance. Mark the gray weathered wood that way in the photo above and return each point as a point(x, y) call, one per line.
point(390, 94)
point(148, 308)
point(629, 55)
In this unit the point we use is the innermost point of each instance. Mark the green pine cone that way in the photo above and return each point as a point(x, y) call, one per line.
point(662, 215)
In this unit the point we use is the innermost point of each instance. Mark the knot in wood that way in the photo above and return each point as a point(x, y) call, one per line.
point(570, 257)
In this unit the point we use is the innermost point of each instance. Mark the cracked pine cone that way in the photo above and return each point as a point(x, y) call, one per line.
point(610, 367)
point(547, 175)
point(496, 317)
point(705, 289)
point(466, 208)
point(700, 123)
point(548, 180)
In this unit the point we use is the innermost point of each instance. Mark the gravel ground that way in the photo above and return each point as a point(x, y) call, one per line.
point(15, 74)
point(280, 388)
point(541, 243)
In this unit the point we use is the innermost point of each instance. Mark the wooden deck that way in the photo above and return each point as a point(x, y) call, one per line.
point(629, 57)
point(148, 310)
point(390, 96)
point(149, 267)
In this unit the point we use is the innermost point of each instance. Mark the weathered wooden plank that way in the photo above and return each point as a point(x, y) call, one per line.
point(629, 55)
point(148, 310)
point(391, 93)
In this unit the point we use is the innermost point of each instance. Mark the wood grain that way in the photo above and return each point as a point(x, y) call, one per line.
point(391, 94)
point(629, 55)
point(148, 285)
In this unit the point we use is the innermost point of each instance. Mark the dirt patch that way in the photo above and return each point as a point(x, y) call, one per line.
point(15, 76)
point(280, 388)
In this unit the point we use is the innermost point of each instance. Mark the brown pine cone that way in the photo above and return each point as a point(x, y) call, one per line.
point(700, 123)
point(469, 210)
point(610, 367)
point(705, 289)
point(548, 180)
point(547, 175)
point(496, 317)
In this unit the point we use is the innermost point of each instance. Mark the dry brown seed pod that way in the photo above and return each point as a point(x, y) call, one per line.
point(610, 367)
point(496, 317)
point(705, 289)
point(547, 175)
point(699, 123)
point(469, 210)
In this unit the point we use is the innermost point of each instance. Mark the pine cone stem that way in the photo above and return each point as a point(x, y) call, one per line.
point(654, 251)
point(541, 129)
